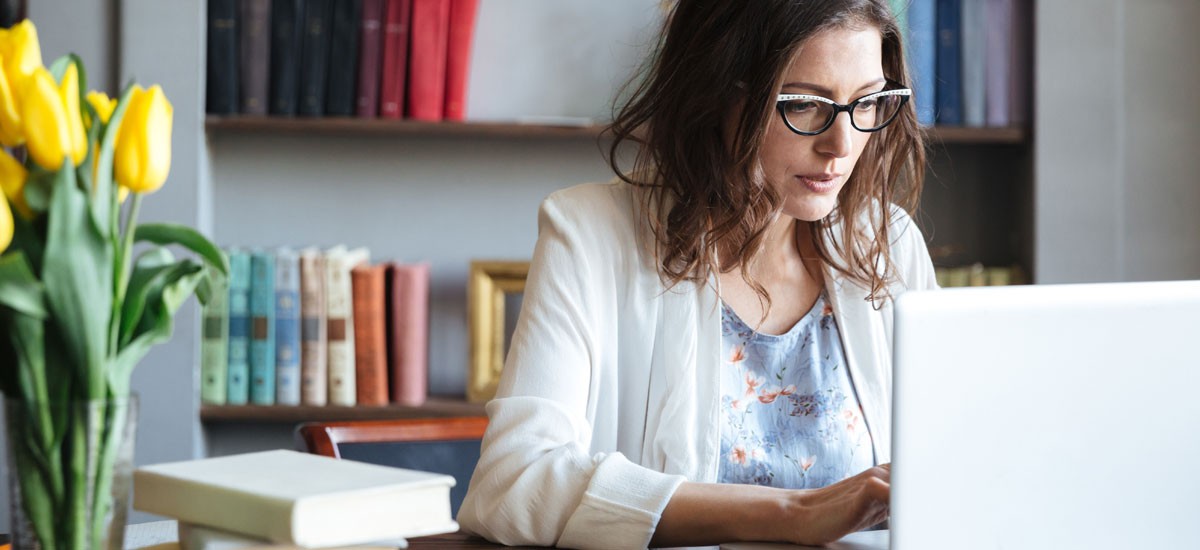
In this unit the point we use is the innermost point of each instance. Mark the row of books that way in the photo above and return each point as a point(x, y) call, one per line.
point(364, 58)
point(316, 327)
point(284, 499)
point(969, 60)
point(978, 275)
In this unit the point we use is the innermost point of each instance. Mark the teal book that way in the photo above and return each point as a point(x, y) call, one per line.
point(238, 376)
point(262, 328)
point(214, 345)
point(287, 327)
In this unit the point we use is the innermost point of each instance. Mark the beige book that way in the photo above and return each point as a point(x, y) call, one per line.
point(199, 537)
point(314, 357)
point(288, 497)
point(339, 308)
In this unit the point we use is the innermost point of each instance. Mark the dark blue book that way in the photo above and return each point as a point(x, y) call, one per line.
point(922, 47)
point(949, 63)
point(287, 327)
point(262, 328)
point(221, 81)
point(314, 57)
point(238, 376)
point(287, 31)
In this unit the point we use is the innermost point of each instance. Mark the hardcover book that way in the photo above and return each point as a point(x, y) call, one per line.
point(458, 56)
point(221, 83)
point(287, 327)
point(427, 59)
point(408, 343)
point(214, 346)
point(343, 58)
point(394, 72)
point(370, 55)
point(314, 56)
point(238, 376)
point(262, 328)
point(370, 335)
point(314, 356)
point(298, 498)
point(255, 30)
point(287, 34)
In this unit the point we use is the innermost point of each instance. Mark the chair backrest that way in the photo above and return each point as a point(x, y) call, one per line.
point(443, 445)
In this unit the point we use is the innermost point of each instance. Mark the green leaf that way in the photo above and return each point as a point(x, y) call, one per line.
point(157, 322)
point(166, 233)
point(39, 186)
point(19, 288)
point(29, 239)
point(78, 279)
point(150, 273)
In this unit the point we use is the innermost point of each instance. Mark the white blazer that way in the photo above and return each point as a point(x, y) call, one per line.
point(609, 395)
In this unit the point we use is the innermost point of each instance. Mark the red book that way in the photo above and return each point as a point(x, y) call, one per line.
point(427, 59)
point(394, 66)
point(370, 46)
point(408, 323)
point(370, 335)
point(458, 56)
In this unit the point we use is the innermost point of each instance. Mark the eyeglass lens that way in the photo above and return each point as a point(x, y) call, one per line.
point(807, 115)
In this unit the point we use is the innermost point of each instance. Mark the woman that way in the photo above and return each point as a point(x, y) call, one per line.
point(721, 313)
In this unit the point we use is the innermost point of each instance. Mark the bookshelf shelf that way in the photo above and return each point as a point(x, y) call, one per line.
point(341, 126)
point(433, 407)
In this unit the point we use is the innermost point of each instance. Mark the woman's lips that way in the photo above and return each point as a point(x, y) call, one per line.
point(819, 183)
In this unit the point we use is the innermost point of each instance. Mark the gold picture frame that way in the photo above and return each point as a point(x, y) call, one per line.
point(489, 283)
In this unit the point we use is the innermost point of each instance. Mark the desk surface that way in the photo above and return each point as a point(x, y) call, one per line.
point(162, 535)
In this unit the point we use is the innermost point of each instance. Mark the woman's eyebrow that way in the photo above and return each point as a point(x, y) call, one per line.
point(827, 91)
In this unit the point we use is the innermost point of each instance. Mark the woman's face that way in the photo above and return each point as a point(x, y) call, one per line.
point(809, 171)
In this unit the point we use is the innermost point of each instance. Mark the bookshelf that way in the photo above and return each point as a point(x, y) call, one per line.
point(442, 406)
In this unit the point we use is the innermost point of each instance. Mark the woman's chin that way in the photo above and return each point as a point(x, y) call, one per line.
point(809, 209)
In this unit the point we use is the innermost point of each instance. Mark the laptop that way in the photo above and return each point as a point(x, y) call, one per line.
point(1047, 417)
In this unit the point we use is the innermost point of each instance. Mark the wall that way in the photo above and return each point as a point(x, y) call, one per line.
point(1117, 174)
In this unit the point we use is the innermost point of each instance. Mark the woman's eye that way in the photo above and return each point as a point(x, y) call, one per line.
point(868, 105)
point(801, 106)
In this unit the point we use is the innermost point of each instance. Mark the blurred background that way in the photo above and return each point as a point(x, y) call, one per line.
point(1092, 175)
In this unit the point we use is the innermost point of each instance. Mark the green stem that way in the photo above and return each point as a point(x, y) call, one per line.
point(75, 522)
point(116, 415)
point(123, 272)
point(36, 500)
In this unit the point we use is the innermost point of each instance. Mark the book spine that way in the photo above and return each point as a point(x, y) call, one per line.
point(949, 79)
point(255, 55)
point(370, 54)
point(409, 303)
point(370, 334)
point(922, 42)
point(262, 328)
point(394, 71)
point(11, 12)
point(239, 328)
point(1021, 62)
point(343, 58)
point(221, 84)
point(214, 348)
point(458, 56)
point(999, 60)
point(287, 328)
point(314, 57)
point(427, 62)
point(314, 356)
point(340, 331)
point(972, 63)
point(287, 27)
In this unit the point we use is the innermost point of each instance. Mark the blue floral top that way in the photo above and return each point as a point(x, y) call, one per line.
point(790, 415)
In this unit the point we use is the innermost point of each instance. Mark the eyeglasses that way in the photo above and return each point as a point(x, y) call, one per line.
point(809, 115)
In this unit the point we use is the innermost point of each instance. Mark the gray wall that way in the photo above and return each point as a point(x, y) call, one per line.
point(1118, 179)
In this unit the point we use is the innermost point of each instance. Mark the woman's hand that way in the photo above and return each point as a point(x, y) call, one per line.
point(703, 514)
point(853, 504)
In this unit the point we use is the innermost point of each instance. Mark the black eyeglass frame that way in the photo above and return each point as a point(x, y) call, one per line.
point(904, 93)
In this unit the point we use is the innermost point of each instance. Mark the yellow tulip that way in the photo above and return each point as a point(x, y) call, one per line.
point(69, 91)
point(6, 225)
point(47, 128)
point(11, 133)
point(143, 152)
point(103, 105)
point(12, 180)
point(21, 52)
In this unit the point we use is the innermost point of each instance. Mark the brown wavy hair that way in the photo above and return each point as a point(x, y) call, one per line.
point(716, 59)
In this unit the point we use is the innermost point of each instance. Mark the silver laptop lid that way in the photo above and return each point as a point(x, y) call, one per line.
point(1063, 416)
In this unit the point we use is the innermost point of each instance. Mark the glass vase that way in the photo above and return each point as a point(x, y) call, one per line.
point(70, 468)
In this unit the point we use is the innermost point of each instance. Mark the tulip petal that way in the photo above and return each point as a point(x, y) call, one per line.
point(47, 130)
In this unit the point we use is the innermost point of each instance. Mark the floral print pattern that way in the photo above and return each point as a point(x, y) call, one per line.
point(790, 416)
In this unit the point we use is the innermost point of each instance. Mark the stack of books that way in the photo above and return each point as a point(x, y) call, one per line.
point(363, 58)
point(316, 327)
point(978, 275)
point(285, 499)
